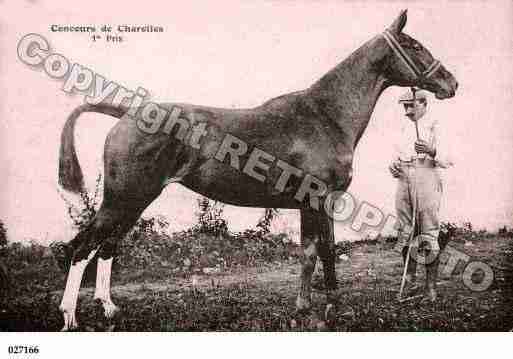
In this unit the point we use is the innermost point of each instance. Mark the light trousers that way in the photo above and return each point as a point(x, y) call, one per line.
point(419, 186)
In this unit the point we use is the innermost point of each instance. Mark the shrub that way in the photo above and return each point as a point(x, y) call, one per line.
point(3, 235)
point(264, 224)
point(207, 246)
point(448, 230)
point(505, 232)
point(210, 217)
point(84, 213)
point(4, 277)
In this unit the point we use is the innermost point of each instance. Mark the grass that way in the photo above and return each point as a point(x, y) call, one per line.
point(261, 297)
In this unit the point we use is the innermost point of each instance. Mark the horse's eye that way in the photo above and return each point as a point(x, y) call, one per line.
point(417, 47)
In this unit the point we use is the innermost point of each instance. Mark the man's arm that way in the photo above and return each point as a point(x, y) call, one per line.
point(443, 155)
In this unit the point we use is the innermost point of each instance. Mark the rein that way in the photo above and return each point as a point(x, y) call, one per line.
point(399, 51)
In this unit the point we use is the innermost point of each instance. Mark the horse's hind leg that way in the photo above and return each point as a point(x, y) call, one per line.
point(76, 271)
point(105, 258)
point(109, 225)
point(102, 290)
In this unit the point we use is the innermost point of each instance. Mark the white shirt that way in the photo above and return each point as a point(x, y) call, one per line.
point(429, 131)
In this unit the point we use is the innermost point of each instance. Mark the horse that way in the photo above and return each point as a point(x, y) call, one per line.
point(302, 149)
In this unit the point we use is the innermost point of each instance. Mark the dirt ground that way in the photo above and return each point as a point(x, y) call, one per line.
point(262, 299)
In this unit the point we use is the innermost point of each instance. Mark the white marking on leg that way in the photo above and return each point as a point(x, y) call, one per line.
point(70, 297)
point(102, 291)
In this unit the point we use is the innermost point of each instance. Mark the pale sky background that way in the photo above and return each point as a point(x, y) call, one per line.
point(239, 54)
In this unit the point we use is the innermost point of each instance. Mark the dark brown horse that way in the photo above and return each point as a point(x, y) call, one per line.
point(290, 152)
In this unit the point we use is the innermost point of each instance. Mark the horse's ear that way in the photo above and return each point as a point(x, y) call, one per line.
point(398, 24)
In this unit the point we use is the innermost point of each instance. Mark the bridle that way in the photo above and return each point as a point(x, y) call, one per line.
point(399, 51)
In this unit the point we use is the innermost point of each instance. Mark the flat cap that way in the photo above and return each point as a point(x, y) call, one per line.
point(408, 96)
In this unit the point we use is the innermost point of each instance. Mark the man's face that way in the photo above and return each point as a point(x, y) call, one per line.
point(414, 113)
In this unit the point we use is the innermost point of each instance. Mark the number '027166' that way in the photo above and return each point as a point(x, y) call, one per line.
point(23, 349)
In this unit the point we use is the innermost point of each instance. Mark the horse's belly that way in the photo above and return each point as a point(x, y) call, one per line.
point(223, 183)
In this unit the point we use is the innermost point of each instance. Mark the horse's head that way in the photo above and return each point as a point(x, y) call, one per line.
point(411, 64)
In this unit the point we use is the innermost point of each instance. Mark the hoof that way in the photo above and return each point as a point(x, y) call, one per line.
point(431, 295)
point(66, 328)
point(329, 313)
point(110, 310)
point(303, 305)
point(70, 322)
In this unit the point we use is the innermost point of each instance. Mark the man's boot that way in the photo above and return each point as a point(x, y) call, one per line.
point(431, 279)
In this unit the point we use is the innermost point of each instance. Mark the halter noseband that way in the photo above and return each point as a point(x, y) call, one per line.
point(399, 51)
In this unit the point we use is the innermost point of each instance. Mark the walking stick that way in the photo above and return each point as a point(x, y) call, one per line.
point(407, 261)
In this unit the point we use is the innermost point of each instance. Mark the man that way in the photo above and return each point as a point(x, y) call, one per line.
point(419, 189)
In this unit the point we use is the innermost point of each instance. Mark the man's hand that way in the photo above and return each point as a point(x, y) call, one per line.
point(422, 146)
point(395, 169)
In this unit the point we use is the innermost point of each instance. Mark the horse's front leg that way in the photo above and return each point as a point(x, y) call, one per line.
point(309, 239)
point(326, 251)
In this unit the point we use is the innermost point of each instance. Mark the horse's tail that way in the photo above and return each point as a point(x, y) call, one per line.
point(70, 173)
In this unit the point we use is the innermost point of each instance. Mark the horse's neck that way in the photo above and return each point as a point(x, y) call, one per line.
point(348, 93)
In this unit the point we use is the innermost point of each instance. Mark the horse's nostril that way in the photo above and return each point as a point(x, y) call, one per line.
point(455, 85)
